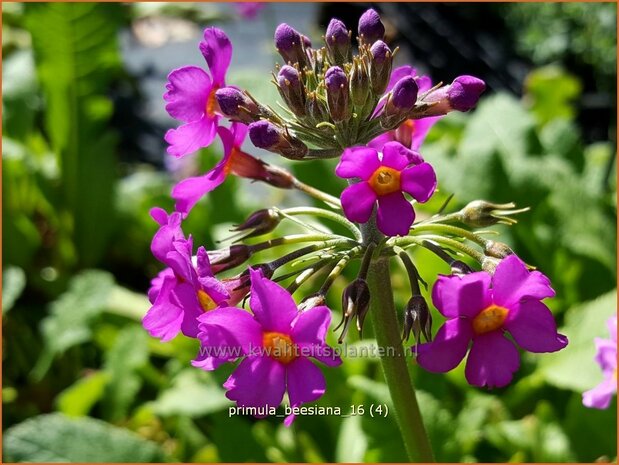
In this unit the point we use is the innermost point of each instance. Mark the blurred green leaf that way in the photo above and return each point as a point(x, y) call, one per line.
point(352, 441)
point(13, 284)
point(552, 92)
point(573, 368)
point(77, 400)
point(57, 438)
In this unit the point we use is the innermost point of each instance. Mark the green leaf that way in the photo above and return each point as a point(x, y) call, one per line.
point(552, 92)
point(573, 368)
point(57, 438)
point(13, 284)
point(77, 400)
point(352, 442)
point(194, 393)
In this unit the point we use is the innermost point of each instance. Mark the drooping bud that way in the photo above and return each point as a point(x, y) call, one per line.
point(260, 222)
point(291, 89)
point(337, 39)
point(266, 135)
point(400, 102)
point(229, 257)
point(359, 84)
point(290, 45)
point(497, 249)
point(480, 213)
point(336, 83)
point(311, 301)
point(459, 268)
point(489, 264)
point(461, 95)
point(371, 28)
point(237, 105)
point(355, 303)
point(247, 166)
point(417, 319)
point(380, 66)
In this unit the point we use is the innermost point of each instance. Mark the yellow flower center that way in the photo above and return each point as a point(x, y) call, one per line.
point(385, 181)
point(489, 319)
point(279, 347)
point(206, 301)
point(211, 103)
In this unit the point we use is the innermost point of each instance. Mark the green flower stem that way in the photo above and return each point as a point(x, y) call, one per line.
point(324, 214)
point(316, 193)
point(393, 361)
point(326, 240)
point(446, 241)
point(449, 229)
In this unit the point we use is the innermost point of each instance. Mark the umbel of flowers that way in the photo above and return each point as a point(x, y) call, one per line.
point(346, 102)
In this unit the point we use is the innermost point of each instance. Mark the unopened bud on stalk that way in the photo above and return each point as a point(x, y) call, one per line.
point(266, 135)
point(316, 108)
point(400, 102)
point(336, 83)
point(489, 264)
point(290, 45)
point(359, 84)
point(291, 89)
point(355, 303)
point(497, 249)
point(237, 105)
point(260, 222)
point(417, 319)
point(461, 95)
point(380, 66)
point(311, 301)
point(480, 213)
point(229, 257)
point(371, 28)
point(459, 268)
point(337, 38)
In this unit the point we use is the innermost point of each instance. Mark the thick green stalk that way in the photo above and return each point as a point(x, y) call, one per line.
point(393, 361)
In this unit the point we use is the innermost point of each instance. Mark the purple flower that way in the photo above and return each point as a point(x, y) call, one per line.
point(275, 344)
point(600, 396)
point(371, 28)
point(461, 95)
point(235, 161)
point(191, 99)
point(479, 308)
point(248, 10)
point(183, 291)
point(384, 180)
point(290, 44)
point(411, 133)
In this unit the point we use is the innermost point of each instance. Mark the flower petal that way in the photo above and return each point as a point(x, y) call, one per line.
point(187, 299)
point(379, 141)
point(257, 382)
point(419, 181)
point(462, 296)
point(305, 382)
point(395, 156)
point(421, 127)
point(272, 305)
point(240, 132)
point(600, 396)
point(163, 320)
point(448, 348)
point(157, 283)
point(512, 282)
point(358, 202)
point(192, 136)
point(187, 95)
point(606, 355)
point(492, 362)
point(225, 335)
point(189, 191)
point(533, 327)
point(399, 73)
point(217, 51)
point(358, 162)
point(309, 330)
point(395, 214)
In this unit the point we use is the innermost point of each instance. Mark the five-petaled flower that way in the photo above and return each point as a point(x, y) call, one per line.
point(275, 344)
point(384, 179)
point(600, 396)
point(479, 308)
point(191, 99)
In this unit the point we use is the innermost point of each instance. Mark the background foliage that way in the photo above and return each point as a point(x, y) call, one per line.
point(82, 381)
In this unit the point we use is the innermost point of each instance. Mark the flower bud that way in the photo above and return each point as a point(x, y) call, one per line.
point(229, 257)
point(260, 222)
point(316, 109)
point(497, 249)
point(336, 83)
point(291, 89)
point(371, 28)
point(380, 66)
point(238, 286)
point(417, 319)
point(489, 264)
point(461, 95)
point(400, 102)
point(359, 84)
point(237, 105)
point(247, 166)
point(266, 135)
point(290, 45)
point(311, 301)
point(459, 268)
point(479, 213)
point(355, 303)
point(337, 39)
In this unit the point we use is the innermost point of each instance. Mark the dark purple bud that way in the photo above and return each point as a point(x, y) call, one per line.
point(266, 135)
point(403, 95)
point(371, 28)
point(417, 319)
point(355, 303)
point(237, 105)
point(291, 89)
point(380, 66)
point(260, 222)
point(336, 83)
point(459, 268)
point(228, 258)
point(464, 92)
point(337, 39)
point(290, 44)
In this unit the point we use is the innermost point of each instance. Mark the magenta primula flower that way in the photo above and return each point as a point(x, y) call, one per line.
point(275, 344)
point(235, 161)
point(600, 396)
point(412, 132)
point(191, 96)
point(479, 309)
point(183, 291)
point(384, 179)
